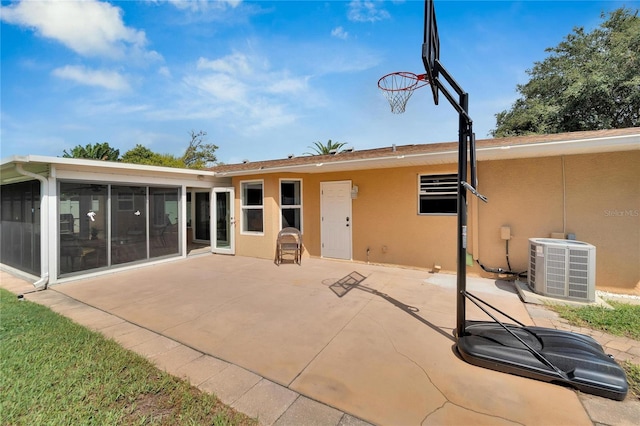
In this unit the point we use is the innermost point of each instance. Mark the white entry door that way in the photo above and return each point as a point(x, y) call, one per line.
point(336, 221)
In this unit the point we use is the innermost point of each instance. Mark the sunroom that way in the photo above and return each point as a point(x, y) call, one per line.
point(64, 218)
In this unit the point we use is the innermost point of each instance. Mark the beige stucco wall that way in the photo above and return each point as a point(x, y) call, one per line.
point(603, 208)
point(386, 221)
point(596, 197)
point(261, 246)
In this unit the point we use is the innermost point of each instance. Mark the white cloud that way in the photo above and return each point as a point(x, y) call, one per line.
point(237, 77)
point(164, 71)
point(247, 87)
point(223, 87)
point(107, 79)
point(203, 5)
point(339, 32)
point(106, 107)
point(89, 27)
point(284, 84)
point(235, 63)
point(367, 11)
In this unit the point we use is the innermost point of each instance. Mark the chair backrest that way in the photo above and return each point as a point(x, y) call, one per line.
point(289, 233)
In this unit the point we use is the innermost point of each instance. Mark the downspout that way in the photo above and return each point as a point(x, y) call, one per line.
point(41, 284)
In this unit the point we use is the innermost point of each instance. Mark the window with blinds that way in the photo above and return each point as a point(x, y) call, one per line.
point(437, 194)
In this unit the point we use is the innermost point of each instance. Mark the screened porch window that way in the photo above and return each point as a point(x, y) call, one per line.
point(83, 227)
point(20, 226)
point(103, 225)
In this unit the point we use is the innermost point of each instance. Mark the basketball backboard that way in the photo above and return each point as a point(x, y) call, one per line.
point(431, 47)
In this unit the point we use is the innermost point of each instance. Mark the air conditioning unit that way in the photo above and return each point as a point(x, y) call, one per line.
point(562, 268)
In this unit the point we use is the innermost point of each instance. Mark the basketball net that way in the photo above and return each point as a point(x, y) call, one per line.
point(398, 87)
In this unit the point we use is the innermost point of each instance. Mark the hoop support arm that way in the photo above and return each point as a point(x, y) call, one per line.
point(441, 70)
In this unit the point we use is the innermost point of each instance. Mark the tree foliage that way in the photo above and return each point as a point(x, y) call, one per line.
point(199, 154)
point(590, 81)
point(321, 149)
point(143, 155)
point(99, 151)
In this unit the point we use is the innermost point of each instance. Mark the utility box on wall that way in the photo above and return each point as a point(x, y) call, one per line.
point(562, 268)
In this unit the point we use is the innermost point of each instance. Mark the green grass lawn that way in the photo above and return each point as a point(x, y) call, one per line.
point(622, 320)
point(53, 371)
point(633, 377)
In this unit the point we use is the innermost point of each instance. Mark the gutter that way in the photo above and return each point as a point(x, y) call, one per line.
point(487, 153)
point(42, 283)
point(328, 164)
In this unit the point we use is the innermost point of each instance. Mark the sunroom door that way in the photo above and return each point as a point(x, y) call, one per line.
point(202, 231)
point(223, 221)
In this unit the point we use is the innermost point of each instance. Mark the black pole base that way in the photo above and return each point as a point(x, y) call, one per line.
point(579, 361)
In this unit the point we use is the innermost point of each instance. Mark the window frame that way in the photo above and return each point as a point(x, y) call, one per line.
point(125, 201)
point(244, 208)
point(290, 206)
point(438, 195)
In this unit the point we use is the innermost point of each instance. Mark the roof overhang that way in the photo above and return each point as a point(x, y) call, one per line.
point(447, 153)
point(450, 156)
point(43, 165)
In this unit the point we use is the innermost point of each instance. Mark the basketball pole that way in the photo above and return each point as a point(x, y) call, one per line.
point(464, 124)
point(465, 141)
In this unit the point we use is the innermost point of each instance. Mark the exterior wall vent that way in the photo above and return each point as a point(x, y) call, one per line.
point(562, 268)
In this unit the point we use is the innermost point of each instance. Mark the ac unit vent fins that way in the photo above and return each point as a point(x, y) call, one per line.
point(562, 268)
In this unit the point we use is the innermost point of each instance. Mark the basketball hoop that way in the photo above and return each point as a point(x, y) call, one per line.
point(398, 87)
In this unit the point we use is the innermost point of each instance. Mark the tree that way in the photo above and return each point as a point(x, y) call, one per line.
point(329, 148)
point(143, 155)
point(198, 154)
point(98, 151)
point(590, 81)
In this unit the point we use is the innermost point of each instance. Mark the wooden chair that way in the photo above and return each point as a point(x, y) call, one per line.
point(289, 243)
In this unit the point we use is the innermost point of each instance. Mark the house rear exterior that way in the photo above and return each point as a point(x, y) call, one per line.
point(396, 205)
point(65, 219)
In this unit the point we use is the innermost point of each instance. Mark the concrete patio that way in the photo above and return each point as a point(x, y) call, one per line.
point(289, 346)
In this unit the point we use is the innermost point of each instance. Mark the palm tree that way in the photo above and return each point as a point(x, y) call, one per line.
point(329, 148)
point(98, 151)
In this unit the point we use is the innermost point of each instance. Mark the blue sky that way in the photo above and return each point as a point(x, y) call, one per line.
point(264, 79)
